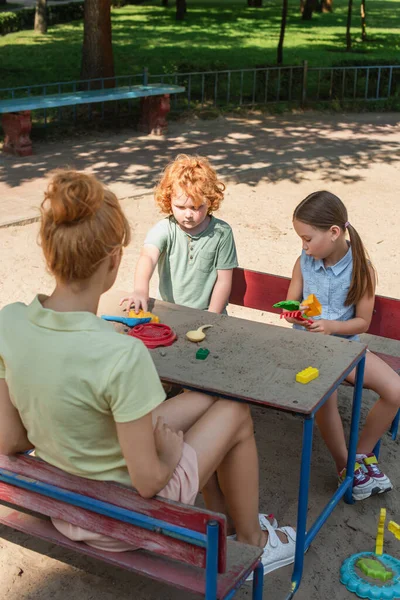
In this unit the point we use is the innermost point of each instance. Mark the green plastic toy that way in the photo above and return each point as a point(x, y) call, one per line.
point(289, 305)
point(202, 353)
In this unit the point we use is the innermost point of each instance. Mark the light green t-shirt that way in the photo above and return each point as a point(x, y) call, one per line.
point(71, 377)
point(188, 265)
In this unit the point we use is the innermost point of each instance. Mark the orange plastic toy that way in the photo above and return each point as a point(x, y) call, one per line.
point(314, 307)
point(144, 315)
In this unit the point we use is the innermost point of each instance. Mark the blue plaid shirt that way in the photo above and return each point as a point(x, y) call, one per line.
point(331, 286)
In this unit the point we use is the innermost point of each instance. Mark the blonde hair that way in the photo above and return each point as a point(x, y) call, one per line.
point(82, 223)
point(196, 177)
point(322, 210)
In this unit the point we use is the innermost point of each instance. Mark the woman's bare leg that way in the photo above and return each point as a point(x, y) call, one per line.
point(223, 439)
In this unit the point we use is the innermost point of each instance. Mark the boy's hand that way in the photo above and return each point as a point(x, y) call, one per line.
point(169, 444)
point(137, 301)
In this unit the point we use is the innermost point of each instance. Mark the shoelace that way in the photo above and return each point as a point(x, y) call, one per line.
point(359, 475)
point(375, 469)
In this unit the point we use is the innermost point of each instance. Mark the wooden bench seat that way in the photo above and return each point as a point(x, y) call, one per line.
point(17, 122)
point(181, 545)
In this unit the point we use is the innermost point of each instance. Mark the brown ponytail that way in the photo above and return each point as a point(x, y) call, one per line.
point(322, 210)
point(82, 224)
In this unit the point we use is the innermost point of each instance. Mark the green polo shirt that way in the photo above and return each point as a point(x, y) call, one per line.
point(71, 377)
point(188, 264)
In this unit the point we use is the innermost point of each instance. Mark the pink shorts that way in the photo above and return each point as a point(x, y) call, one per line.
point(182, 487)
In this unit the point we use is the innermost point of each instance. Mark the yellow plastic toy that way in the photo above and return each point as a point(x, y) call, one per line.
point(144, 315)
point(381, 532)
point(314, 307)
point(307, 375)
point(197, 335)
point(395, 529)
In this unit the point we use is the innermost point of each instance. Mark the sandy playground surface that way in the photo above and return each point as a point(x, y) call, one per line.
point(269, 164)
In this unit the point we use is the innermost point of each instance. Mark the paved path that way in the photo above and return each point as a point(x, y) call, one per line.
point(343, 149)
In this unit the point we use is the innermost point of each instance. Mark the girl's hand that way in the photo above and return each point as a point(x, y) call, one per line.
point(295, 321)
point(321, 326)
point(169, 443)
point(137, 300)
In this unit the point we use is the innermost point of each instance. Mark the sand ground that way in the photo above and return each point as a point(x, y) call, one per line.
point(269, 164)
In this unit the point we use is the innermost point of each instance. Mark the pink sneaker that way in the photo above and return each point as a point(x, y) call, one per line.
point(371, 468)
point(363, 485)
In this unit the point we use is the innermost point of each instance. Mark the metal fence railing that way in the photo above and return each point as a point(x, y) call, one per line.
point(228, 88)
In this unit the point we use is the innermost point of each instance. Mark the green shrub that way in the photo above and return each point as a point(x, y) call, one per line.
point(8, 22)
point(25, 18)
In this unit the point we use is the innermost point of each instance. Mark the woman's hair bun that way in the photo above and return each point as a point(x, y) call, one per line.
point(72, 197)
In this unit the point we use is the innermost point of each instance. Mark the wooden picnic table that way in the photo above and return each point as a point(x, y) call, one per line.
point(257, 363)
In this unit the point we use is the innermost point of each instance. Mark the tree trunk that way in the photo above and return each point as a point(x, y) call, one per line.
point(97, 51)
point(180, 10)
point(363, 22)
point(282, 34)
point(327, 6)
point(3, 2)
point(348, 26)
point(41, 16)
point(306, 8)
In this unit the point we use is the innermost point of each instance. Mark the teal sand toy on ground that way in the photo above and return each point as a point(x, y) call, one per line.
point(382, 582)
point(128, 321)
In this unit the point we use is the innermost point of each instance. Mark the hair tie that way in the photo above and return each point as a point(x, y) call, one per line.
point(346, 224)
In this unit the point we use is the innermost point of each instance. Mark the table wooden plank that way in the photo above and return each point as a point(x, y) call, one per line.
point(87, 97)
point(248, 360)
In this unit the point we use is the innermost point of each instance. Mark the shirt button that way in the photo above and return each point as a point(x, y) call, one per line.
point(190, 257)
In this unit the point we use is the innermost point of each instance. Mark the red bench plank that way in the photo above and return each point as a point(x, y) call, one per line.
point(136, 536)
point(241, 557)
point(254, 289)
point(173, 512)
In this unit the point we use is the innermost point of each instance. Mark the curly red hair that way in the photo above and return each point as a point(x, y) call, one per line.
point(196, 177)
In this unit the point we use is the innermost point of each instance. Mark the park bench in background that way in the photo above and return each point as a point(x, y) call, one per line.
point(253, 289)
point(182, 546)
point(17, 123)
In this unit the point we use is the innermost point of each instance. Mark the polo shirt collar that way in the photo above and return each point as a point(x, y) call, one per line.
point(64, 321)
point(206, 231)
point(339, 267)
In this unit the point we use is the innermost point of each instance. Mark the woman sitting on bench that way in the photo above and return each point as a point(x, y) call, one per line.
point(89, 400)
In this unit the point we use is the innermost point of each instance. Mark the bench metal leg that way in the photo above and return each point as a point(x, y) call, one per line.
point(212, 560)
point(17, 128)
point(154, 110)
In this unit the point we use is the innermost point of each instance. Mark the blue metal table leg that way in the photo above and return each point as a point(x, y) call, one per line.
point(395, 425)
point(355, 421)
point(258, 583)
point(305, 468)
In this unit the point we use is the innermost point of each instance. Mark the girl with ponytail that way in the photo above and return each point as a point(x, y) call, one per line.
point(337, 270)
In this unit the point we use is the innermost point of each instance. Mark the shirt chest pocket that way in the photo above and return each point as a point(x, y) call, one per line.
point(205, 261)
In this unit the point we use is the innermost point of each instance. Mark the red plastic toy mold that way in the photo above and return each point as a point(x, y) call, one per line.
point(154, 335)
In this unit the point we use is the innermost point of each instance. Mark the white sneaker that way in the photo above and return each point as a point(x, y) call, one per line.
point(277, 554)
point(263, 520)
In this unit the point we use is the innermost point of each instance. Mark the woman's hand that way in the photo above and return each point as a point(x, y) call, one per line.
point(169, 444)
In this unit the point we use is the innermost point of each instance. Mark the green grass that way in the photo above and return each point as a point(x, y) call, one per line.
point(216, 35)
